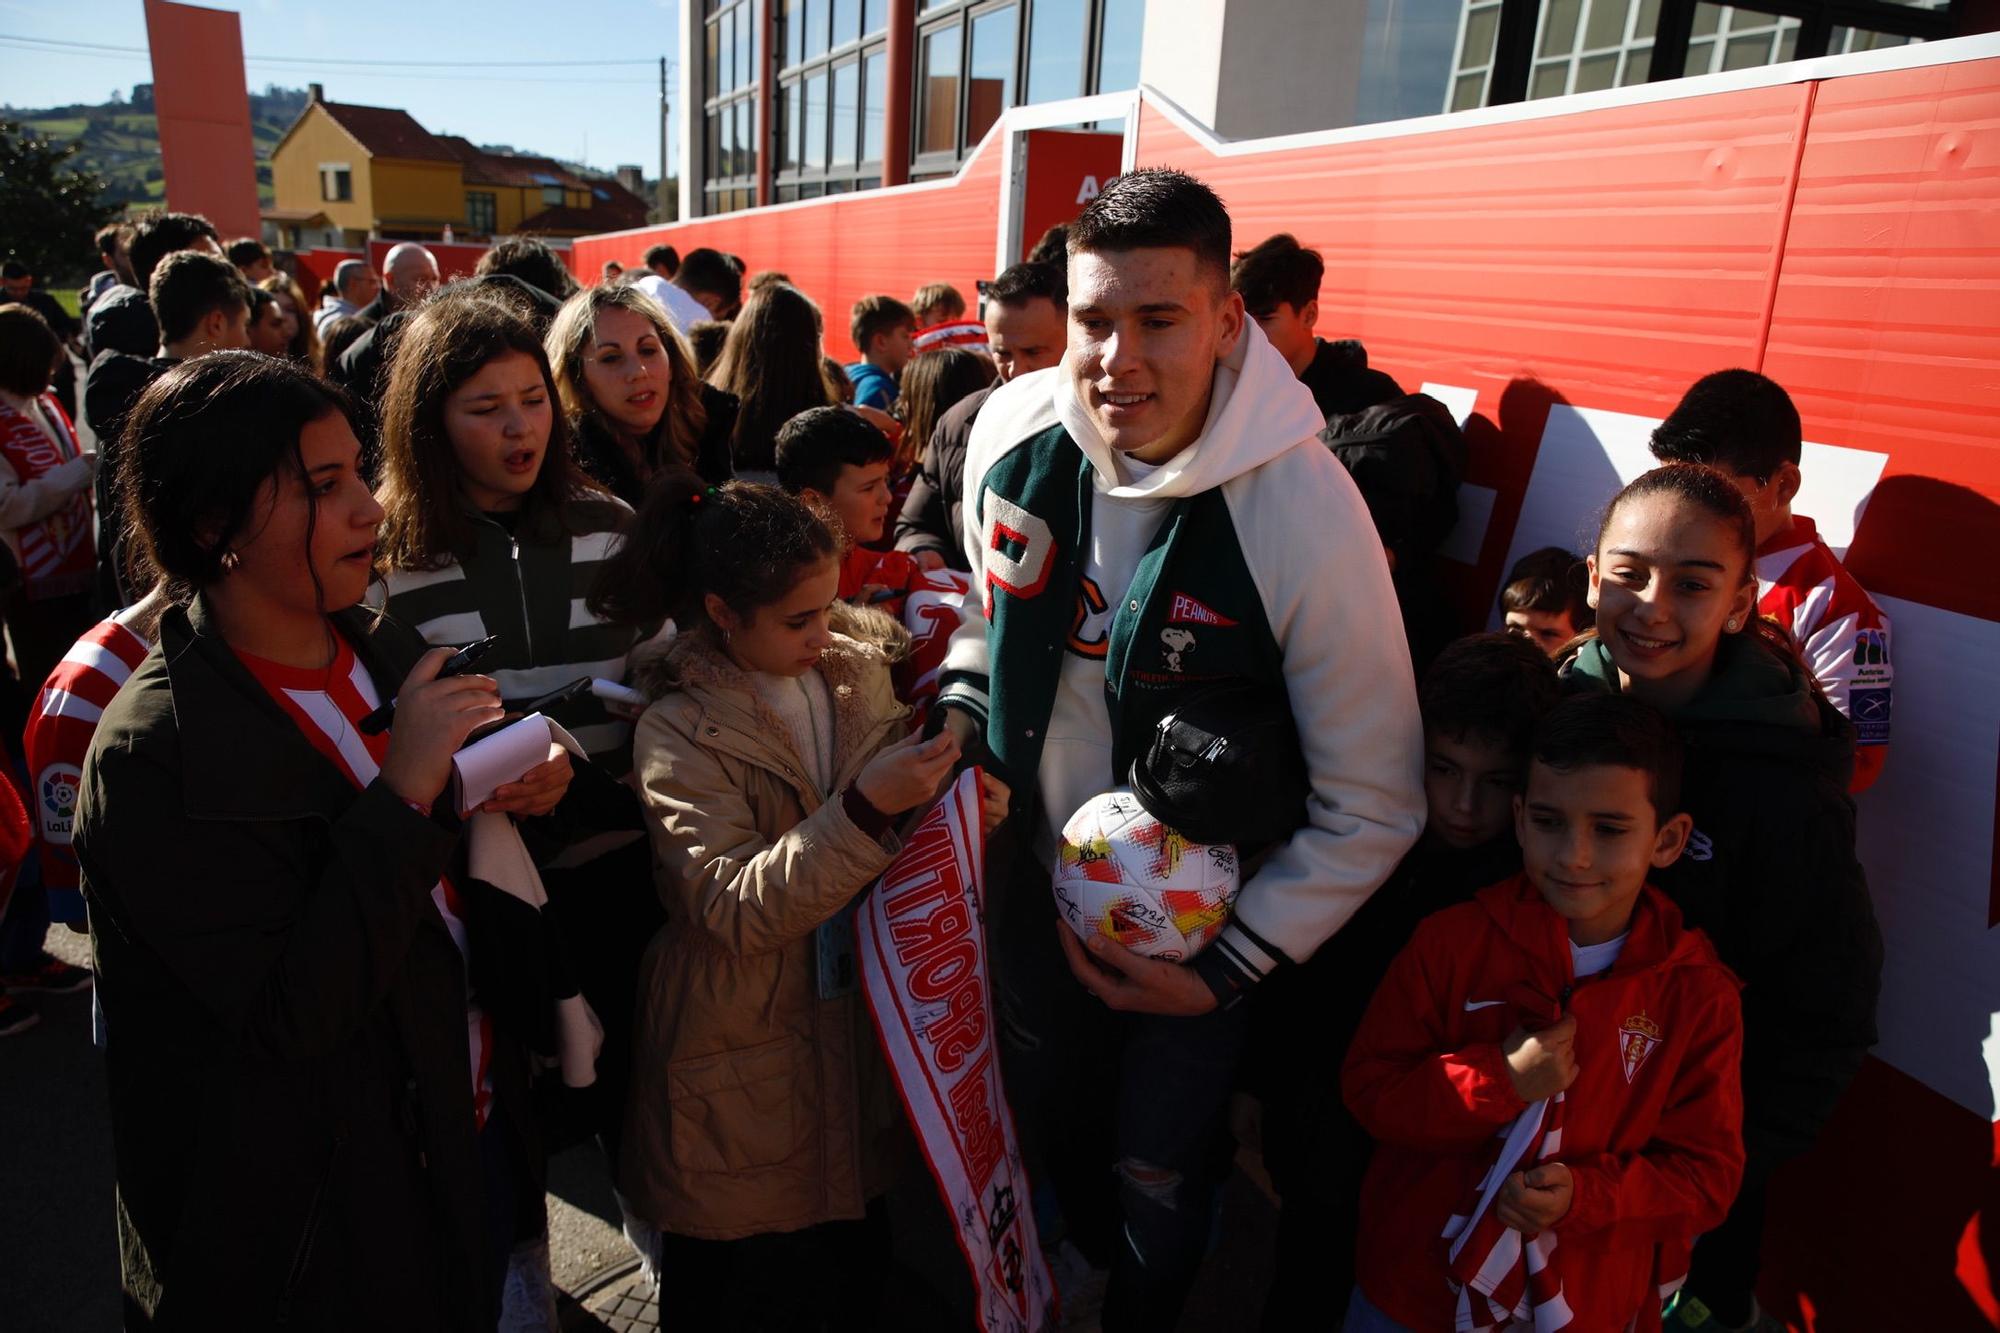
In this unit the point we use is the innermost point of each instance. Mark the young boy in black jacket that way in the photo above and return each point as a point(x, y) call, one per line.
point(1481, 701)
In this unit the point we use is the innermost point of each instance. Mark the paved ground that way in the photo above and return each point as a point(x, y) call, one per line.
point(59, 1261)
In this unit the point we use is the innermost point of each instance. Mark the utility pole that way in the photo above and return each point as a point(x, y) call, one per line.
point(667, 200)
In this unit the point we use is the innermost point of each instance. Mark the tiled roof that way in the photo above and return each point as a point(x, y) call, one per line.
point(602, 215)
point(389, 132)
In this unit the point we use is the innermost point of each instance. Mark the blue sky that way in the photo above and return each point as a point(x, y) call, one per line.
point(600, 115)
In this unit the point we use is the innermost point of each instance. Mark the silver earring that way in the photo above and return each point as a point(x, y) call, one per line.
point(230, 561)
point(1733, 622)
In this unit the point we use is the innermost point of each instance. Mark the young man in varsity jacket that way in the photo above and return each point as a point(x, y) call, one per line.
point(1150, 517)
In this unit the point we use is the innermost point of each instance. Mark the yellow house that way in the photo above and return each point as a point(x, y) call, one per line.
point(374, 172)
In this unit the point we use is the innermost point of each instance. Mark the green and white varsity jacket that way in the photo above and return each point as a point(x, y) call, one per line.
point(1264, 564)
point(531, 594)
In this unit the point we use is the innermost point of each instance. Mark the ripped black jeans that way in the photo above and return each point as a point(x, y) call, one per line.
point(1124, 1115)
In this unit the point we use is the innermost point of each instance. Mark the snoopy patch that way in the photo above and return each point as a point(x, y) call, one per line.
point(1178, 643)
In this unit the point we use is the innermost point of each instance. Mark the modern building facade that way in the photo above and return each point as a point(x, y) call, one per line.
point(782, 100)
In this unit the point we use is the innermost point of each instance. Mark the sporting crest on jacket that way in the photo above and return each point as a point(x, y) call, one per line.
point(1637, 1037)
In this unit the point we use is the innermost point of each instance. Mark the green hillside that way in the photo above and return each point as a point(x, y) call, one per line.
point(121, 141)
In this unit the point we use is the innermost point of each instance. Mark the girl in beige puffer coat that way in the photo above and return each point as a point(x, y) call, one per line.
point(772, 764)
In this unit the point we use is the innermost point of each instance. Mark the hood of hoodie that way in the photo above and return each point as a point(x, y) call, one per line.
point(1657, 937)
point(1758, 702)
point(1257, 410)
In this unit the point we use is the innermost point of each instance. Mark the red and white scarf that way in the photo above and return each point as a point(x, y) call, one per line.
point(1503, 1278)
point(923, 968)
point(56, 553)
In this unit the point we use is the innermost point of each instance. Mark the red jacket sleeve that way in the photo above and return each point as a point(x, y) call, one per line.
point(1682, 1182)
point(1404, 1080)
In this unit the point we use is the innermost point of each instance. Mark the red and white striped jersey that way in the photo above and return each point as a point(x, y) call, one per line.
point(1840, 632)
point(60, 725)
point(327, 706)
point(967, 333)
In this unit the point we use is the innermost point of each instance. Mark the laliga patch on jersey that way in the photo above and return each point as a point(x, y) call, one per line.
point(1869, 710)
point(59, 787)
point(1637, 1037)
point(1185, 610)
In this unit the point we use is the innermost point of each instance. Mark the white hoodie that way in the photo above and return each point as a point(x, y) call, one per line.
point(1318, 566)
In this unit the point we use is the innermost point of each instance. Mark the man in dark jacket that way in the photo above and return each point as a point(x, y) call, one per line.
point(1026, 328)
point(1279, 283)
point(121, 320)
point(203, 305)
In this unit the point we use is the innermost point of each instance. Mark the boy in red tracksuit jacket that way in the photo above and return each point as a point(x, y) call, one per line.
point(1551, 1070)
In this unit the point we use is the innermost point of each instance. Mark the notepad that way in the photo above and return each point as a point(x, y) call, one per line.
point(502, 757)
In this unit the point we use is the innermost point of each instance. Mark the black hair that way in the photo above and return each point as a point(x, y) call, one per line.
point(816, 444)
point(746, 543)
point(188, 285)
point(532, 261)
point(159, 235)
point(1053, 248)
point(1156, 208)
point(1490, 687)
point(1703, 487)
point(875, 315)
point(14, 268)
point(1552, 580)
point(245, 251)
point(1021, 283)
point(259, 298)
point(663, 256)
point(28, 348)
point(197, 449)
point(710, 271)
point(1735, 420)
point(1277, 270)
point(108, 237)
point(1617, 731)
point(705, 339)
point(337, 335)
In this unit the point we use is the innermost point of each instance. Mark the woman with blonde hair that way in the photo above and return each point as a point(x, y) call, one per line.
point(772, 362)
point(630, 391)
point(304, 345)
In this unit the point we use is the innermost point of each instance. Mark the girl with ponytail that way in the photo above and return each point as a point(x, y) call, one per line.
point(1770, 870)
point(772, 764)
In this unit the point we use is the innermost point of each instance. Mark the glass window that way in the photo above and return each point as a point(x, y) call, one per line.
point(874, 16)
point(746, 138)
point(795, 129)
point(711, 147)
point(815, 21)
point(792, 33)
point(846, 114)
point(868, 183)
point(788, 194)
point(1056, 47)
point(1118, 53)
point(727, 30)
point(713, 37)
point(937, 95)
point(785, 146)
point(746, 45)
point(1404, 66)
point(1606, 26)
point(725, 153)
point(482, 211)
point(812, 156)
point(989, 89)
point(874, 96)
point(1559, 27)
point(846, 21)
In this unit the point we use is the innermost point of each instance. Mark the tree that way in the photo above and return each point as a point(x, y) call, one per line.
point(48, 209)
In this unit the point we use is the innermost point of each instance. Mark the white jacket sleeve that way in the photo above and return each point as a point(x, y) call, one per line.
point(1319, 569)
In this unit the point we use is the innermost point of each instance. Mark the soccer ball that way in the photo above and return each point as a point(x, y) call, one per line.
point(1123, 873)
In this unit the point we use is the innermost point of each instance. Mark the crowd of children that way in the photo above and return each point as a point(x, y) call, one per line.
point(1568, 950)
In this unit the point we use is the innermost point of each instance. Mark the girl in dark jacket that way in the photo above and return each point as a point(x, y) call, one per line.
point(308, 1088)
point(635, 402)
point(1770, 871)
